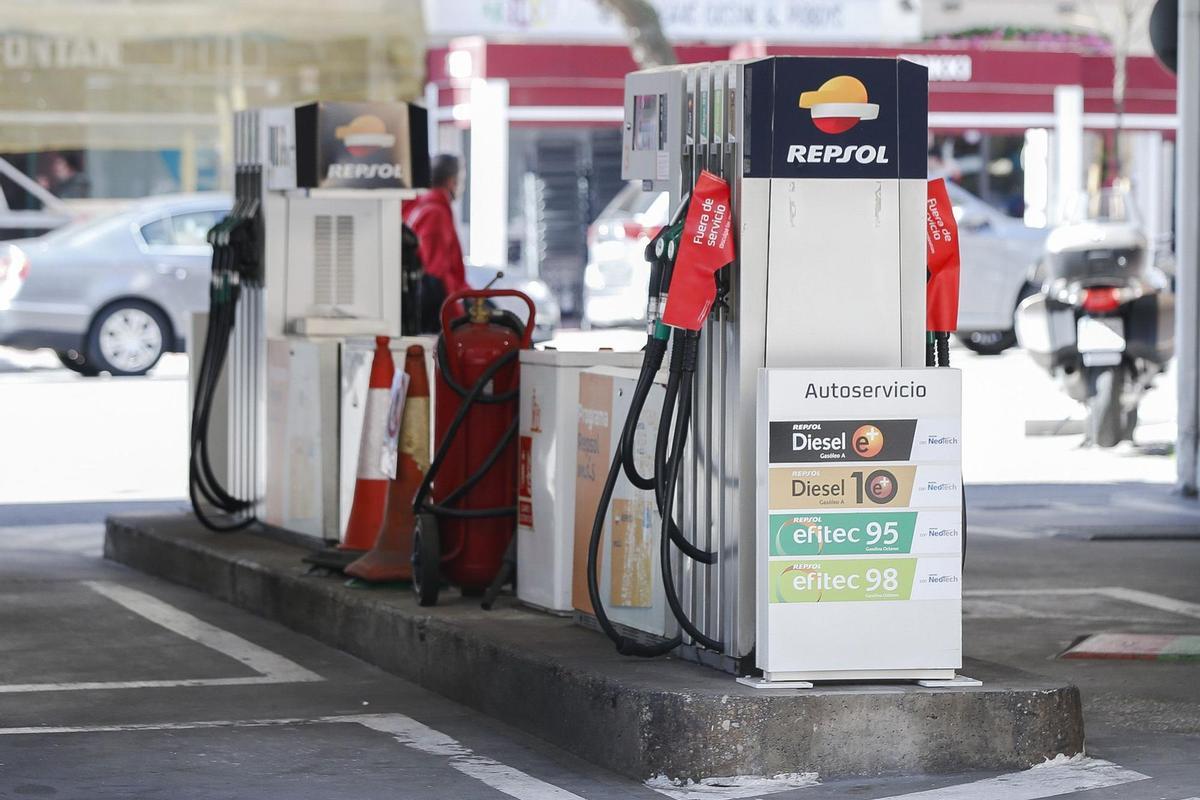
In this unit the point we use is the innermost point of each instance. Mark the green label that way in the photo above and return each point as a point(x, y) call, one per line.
point(851, 534)
point(841, 581)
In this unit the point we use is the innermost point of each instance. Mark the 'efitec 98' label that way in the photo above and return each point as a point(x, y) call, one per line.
point(840, 580)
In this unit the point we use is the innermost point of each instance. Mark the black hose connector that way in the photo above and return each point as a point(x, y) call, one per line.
point(943, 348)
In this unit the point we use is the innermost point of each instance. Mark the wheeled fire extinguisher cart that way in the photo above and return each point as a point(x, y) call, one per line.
point(466, 507)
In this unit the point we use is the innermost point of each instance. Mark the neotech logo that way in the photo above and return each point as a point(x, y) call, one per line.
point(839, 105)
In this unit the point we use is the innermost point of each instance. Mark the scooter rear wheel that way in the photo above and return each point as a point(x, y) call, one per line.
point(426, 560)
point(1106, 427)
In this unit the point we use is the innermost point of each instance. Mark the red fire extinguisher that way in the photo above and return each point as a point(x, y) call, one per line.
point(466, 506)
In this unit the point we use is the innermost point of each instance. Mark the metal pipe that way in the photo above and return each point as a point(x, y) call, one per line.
point(1187, 226)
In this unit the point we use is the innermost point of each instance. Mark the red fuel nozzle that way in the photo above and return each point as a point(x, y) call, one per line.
point(705, 246)
point(942, 260)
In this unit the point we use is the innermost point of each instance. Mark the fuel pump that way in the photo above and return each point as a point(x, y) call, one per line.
point(308, 267)
point(824, 163)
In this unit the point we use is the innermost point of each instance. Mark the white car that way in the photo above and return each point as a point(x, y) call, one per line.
point(617, 276)
point(997, 253)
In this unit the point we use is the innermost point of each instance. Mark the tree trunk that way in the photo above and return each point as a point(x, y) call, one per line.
point(647, 42)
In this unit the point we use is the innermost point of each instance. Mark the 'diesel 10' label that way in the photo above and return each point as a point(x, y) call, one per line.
point(893, 486)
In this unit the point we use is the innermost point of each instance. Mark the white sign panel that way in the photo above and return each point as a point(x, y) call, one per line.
point(859, 497)
point(776, 21)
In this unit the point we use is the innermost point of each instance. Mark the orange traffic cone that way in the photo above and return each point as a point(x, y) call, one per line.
point(371, 488)
point(391, 558)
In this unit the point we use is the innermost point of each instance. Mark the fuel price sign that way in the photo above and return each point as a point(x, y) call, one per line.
point(859, 524)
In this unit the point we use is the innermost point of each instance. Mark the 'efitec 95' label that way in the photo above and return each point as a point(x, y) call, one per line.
point(855, 533)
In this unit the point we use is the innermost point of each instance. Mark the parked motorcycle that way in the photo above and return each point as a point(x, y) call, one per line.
point(1103, 322)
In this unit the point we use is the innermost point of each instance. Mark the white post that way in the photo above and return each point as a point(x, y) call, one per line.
point(1145, 170)
point(1068, 149)
point(1187, 248)
point(488, 172)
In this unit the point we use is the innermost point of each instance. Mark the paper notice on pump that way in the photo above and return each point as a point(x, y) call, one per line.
point(705, 246)
point(860, 523)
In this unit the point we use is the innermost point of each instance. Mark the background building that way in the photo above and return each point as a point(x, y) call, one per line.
point(124, 98)
point(1024, 106)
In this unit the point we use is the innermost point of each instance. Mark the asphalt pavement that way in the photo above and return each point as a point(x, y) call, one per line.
point(113, 684)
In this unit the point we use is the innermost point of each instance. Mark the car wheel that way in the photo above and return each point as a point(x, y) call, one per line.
point(127, 338)
point(74, 361)
point(988, 343)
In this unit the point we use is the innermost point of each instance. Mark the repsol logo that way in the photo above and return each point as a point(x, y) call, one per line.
point(365, 171)
point(837, 154)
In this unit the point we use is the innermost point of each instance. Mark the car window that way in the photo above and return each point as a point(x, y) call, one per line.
point(181, 230)
point(191, 230)
point(629, 201)
point(157, 233)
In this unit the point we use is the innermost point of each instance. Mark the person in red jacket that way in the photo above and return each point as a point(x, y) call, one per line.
point(432, 219)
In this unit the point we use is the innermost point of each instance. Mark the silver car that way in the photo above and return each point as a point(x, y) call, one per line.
point(111, 294)
point(997, 254)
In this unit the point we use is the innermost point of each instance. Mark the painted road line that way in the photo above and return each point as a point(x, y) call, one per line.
point(1001, 533)
point(405, 730)
point(271, 668)
point(1062, 775)
point(741, 786)
point(501, 777)
point(39, 730)
point(1162, 603)
point(1135, 596)
point(259, 659)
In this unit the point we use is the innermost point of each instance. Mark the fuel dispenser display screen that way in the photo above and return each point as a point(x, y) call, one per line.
point(647, 133)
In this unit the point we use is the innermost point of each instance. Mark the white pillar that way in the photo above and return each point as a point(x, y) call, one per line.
point(1145, 170)
point(1187, 249)
point(488, 172)
point(1068, 149)
point(431, 117)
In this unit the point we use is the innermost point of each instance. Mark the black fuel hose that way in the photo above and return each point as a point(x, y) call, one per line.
point(678, 439)
point(679, 358)
point(677, 610)
point(232, 246)
point(655, 350)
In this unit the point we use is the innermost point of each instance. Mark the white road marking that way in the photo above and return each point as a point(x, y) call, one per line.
point(740, 786)
point(1183, 608)
point(271, 668)
point(405, 730)
point(1057, 777)
point(1161, 602)
point(1002, 533)
point(90, 686)
point(259, 659)
point(1063, 775)
point(501, 777)
point(151, 726)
